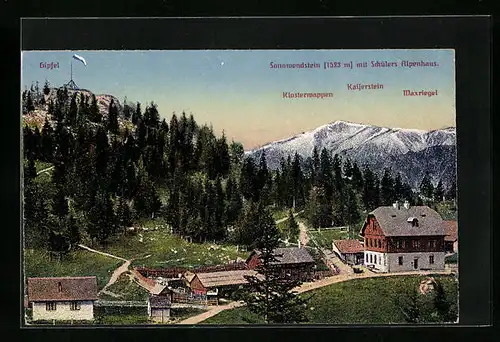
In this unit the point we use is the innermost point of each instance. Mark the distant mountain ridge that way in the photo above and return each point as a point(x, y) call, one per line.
point(378, 147)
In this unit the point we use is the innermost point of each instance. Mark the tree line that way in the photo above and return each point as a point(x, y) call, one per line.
point(109, 169)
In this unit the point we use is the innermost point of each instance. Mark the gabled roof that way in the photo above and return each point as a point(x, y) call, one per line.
point(394, 222)
point(349, 246)
point(62, 289)
point(290, 255)
point(224, 278)
point(159, 302)
point(451, 230)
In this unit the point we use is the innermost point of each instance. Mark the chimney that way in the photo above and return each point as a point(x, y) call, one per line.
point(407, 205)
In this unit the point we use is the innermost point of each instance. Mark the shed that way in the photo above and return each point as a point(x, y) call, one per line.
point(349, 251)
point(201, 283)
point(292, 263)
point(159, 308)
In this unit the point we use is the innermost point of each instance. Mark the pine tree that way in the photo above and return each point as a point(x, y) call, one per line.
point(30, 168)
point(151, 116)
point(443, 307)
point(73, 234)
point(73, 112)
point(451, 193)
point(249, 180)
point(46, 141)
point(398, 188)
point(235, 203)
point(112, 124)
point(137, 114)
point(30, 105)
point(292, 231)
point(37, 143)
point(439, 192)
point(46, 88)
point(426, 187)
point(94, 113)
point(387, 188)
point(270, 296)
point(35, 215)
point(370, 189)
point(318, 208)
point(297, 181)
point(236, 153)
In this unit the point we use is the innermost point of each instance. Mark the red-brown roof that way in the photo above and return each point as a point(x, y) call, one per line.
point(451, 230)
point(349, 246)
point(62, 289)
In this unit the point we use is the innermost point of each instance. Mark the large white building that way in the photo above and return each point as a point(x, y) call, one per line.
point(62, 298)
point(404, 238)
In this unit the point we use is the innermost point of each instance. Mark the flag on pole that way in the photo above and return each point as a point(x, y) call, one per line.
point(80, 58)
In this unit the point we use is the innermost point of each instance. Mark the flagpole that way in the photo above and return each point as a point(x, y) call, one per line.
point(71, 70)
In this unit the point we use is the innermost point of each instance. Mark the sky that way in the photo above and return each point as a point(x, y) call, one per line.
point(236, 91)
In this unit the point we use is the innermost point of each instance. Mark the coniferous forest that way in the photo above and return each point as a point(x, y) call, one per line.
point(130, 163)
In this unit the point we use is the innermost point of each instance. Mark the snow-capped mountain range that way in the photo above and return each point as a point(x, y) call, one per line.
point(408, 151)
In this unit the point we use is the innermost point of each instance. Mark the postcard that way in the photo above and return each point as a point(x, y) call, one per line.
point(219, 187)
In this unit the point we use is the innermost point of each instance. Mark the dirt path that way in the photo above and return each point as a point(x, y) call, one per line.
point(286, 218)
point(102, 253)
point(116, 273)
point(210, 313)
point(367, 274)
point(44, 170)
point(303, 237)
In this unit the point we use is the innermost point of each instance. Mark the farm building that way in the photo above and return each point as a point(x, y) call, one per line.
point(293, 263)
point(62, 298)
point(159, 308)
point(404, 238)
point(349, 251)
point(451, 238)
point(212, 282)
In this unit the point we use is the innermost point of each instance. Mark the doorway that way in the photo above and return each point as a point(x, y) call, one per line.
point(415, 263)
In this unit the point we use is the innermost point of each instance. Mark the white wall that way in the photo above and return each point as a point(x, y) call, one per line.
point(408, 259)
point(63, 311)
point(381, 260)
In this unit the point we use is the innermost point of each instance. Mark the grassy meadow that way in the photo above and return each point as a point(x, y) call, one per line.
point(358, 301)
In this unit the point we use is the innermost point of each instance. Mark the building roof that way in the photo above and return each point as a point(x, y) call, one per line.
point(225, 278)
point(159, 302)
point(290, 255)
point(349, 246)
point(62, 289)
point(451, 230)
point(189, 276)
point(394, 222)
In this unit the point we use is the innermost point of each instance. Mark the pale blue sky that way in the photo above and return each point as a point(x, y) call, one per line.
point(237, 91)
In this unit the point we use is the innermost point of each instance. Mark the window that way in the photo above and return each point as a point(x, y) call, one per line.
point(431, 259)
point(75, 306)
point(370, 240)
point(375, 257)
point(371, 259)
point(400, 260)
point(400, 244)
point(416, 243)
point(50, 306)
point(432, 244)
point(379, 243)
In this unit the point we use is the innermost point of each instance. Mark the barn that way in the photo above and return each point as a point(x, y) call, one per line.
point(292, 263)
point(214, 282)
